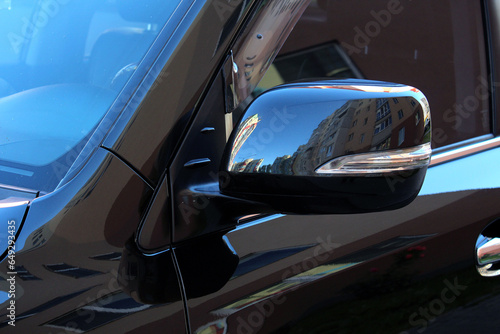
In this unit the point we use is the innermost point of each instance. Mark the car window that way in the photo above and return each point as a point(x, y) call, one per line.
point(435, 45)
point(56, 83)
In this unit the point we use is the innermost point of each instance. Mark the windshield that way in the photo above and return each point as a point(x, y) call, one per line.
point(62, 65)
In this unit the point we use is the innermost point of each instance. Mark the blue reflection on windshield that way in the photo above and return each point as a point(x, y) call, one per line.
point(63, 63)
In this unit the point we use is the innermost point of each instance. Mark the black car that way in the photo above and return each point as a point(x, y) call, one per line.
point(249, 166)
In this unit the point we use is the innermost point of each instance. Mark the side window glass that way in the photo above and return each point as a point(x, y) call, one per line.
point(437, 46)
point(56, 84)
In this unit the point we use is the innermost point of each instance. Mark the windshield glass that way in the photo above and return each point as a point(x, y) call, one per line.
point(62, 65)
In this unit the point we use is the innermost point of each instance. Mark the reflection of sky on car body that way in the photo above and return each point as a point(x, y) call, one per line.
point(4, 296)
point(469, 173)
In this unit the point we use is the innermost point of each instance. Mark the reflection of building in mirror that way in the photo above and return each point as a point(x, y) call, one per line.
point(247, 166)
point(361, 126)
point(327, 140)
point(395, 121)
point(358, 126)
point(281, 165)
point(245, 129)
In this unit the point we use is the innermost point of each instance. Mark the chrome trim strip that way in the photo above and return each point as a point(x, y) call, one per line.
point(462, 143)
point(262, 38)
point(487, 250)
point(464, 151)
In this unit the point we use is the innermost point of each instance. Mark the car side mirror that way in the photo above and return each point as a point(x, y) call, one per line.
point(342, 146)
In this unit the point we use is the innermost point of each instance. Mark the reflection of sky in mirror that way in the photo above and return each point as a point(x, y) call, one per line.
point(281, 131)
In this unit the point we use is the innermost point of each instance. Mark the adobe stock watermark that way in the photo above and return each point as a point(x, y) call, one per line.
point(400, 178)
point(225, 8)
point(458, 115)
point(31, 26)
point(61, 167)
point(278, 122)
point(428, 313)
point(252, 322)
point(11, 260)
point(373, 28)
point(194, 205)
point(461, 112)
point(156, 77)
point(89, 309)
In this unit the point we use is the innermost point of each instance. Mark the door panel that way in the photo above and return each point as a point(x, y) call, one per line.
point(409, 270)
point(383, 272)
point(66, 266)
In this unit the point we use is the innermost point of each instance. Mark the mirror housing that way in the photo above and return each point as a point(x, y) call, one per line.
point(344, 146)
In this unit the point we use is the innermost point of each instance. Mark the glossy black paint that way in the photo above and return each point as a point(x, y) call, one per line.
point(87, 209)
point(410, 270)
point(149, 279)
point(206, 264)
point(14, 207)
point(67, 232)
point(328, 195)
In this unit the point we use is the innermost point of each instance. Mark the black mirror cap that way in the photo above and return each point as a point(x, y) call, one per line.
point(340, 195)
point(331, 171)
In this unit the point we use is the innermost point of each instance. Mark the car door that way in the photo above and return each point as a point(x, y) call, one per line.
point(138, 236)
point(70, 209)
point(411, 269)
